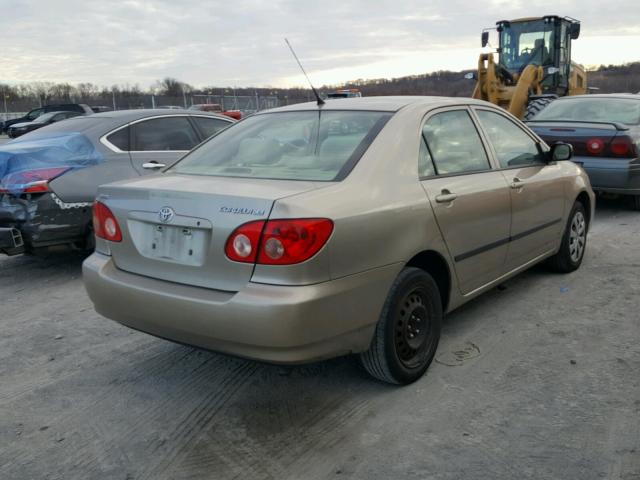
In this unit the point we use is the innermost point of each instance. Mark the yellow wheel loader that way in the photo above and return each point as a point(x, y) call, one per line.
point(534, 65)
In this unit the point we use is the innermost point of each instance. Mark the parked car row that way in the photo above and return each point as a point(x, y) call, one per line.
point(312, 231)
point(32, 115)
point(18, 129)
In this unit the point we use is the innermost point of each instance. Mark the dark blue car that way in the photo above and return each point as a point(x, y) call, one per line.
point(605, 133)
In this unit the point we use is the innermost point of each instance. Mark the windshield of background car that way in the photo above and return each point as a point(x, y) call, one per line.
point(617, 110)
point(526, 43)
point(46, 116)
point(303, 145)
point(33, 114)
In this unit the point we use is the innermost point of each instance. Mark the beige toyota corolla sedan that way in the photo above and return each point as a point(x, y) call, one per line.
point(308, 232)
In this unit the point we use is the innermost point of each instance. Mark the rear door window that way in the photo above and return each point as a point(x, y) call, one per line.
point(210, 126)
point(425, 162)
point(164, 134)
point(454, 143)
point(512, 145)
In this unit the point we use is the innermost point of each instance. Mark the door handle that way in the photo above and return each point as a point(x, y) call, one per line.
point(517, 184)
point(153, 165)
point(446, 196)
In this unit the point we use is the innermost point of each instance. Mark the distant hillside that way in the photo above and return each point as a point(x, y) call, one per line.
point(609, 79)
point(616, 78)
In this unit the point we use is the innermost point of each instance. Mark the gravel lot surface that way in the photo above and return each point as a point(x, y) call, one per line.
point(536, 380)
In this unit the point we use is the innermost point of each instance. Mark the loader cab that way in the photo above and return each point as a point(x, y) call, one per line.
point(544, 41)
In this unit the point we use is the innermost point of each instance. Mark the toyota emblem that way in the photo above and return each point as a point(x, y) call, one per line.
point(166, 214)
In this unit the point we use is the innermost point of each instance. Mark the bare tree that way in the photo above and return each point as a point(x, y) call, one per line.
point(171, 87)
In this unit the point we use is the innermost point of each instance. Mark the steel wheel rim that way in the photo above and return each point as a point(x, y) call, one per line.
point(577, 237)
point(412, 329)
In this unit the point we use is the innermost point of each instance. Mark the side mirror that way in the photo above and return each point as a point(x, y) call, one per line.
point(485, 39)
point(561, 151)
point(574, 31)
point(470, 76)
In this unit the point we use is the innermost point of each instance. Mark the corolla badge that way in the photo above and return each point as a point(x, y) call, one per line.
point(166, 214)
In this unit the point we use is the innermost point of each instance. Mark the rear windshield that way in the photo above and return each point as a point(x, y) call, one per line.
point(617, 110)
point(305, 145)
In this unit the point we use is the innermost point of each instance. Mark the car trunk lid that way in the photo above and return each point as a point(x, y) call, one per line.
point(175, 226)
point(587, 139)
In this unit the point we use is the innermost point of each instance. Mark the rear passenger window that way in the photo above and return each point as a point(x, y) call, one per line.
point(513, 147)
point(425, 163)
point(454, 143)
point(210, 126)
point(120, 139)
point(161, 134)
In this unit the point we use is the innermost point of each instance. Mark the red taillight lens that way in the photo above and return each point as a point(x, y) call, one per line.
point(278, 242)
point(285, 242)
point(621, 146)
point(595, 146)
point(30, 181)
point(242, 244)
point(105, 225)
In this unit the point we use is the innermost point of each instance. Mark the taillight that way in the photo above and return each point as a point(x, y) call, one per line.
point(595, 146)
point(622, 146)
point(30, 181)
point(242, 244)
point(285, 242)
point(105, 225)
point(278, 242)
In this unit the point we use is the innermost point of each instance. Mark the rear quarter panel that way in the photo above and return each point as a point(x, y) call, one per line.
point(381, 214)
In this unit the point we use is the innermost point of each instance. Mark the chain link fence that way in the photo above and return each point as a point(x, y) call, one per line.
point(247, 104)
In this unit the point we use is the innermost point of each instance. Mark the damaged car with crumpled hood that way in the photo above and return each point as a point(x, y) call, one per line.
point(49, 177)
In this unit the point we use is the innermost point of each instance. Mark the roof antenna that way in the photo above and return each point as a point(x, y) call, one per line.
point(315, 92)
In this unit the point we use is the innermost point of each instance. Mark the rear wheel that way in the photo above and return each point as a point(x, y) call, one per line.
point(636, 202)
point(536, 106)
point(407, 334)
point(574, 242)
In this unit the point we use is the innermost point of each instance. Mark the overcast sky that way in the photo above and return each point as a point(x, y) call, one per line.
point(224, 43)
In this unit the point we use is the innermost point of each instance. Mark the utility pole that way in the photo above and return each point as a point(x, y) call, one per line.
point(113, 97)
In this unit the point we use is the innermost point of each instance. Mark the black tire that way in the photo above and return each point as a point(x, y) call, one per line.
point(574, 242)
point(636, 202)
point(536, 106)
point(401, 351)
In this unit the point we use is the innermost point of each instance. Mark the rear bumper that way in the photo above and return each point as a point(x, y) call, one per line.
point(616, 175)
point(42, 221)
point(272, 323)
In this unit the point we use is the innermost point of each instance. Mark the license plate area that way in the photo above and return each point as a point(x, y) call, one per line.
point(171, 243)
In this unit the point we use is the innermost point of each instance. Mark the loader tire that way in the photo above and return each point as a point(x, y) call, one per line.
point(536, 106)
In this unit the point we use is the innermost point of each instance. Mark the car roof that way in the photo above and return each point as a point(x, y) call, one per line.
point(98, 124)
point(626, 96)
point(131, 115)
point(386, 104)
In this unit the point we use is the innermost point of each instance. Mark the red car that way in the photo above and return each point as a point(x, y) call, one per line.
point(215, 107)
